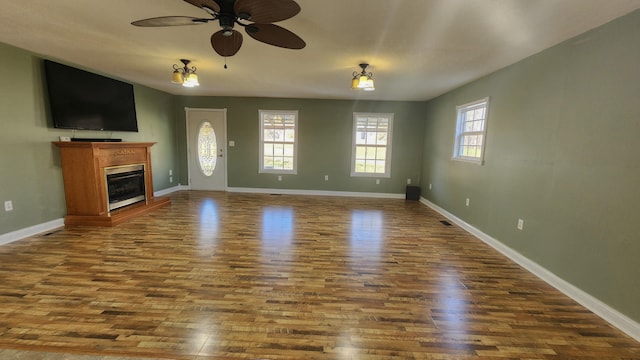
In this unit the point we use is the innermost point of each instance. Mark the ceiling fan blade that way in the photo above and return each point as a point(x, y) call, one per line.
point(264, 12)
point(205, 4)
point(275, 35)
point(226, 45)
point(170, 21)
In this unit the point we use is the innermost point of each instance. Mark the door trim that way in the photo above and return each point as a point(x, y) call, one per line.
point(186, 123)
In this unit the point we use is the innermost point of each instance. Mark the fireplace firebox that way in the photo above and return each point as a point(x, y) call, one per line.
point(125, 185)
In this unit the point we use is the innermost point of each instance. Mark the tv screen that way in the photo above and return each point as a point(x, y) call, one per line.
point(82, 100)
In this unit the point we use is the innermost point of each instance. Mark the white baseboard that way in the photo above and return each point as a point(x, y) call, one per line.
point(170, 190)
point(316, 193)
point(31, 231)
point(612, 316)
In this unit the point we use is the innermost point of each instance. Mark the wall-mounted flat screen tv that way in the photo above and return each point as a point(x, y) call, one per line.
point(82, 100)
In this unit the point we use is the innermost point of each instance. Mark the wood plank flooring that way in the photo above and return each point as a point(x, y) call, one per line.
point(224, 275)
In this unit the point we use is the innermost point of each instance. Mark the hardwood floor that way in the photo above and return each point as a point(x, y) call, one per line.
point(224, 275)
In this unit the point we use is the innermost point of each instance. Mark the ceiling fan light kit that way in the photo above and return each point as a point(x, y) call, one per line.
point(362, 80)
point(256, 16)
point(185, 76)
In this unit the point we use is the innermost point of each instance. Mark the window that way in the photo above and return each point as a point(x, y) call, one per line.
point(371, 153)
point(471, 131)
point(278, 141)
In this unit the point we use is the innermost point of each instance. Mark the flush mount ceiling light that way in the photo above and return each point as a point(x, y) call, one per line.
point(363, 80)
point(185, 76)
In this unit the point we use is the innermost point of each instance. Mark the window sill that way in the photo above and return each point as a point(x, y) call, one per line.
point(278, 171)
point(371, 175)
point(469, 160)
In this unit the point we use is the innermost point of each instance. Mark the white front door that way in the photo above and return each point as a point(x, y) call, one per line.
point(206, 148)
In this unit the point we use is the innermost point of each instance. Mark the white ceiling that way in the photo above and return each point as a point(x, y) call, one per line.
point(418, 49)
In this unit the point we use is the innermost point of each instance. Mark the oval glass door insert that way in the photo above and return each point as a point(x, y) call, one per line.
point(207, 148)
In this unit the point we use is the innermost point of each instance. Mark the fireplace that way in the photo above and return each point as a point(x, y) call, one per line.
point(90, 200)
point(125, 185)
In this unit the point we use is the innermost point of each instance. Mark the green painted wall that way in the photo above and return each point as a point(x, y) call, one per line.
point(324, 131)
point(30, 172)
point(562, 154)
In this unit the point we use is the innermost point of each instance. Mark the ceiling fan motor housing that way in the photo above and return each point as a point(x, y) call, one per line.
point(226, 23)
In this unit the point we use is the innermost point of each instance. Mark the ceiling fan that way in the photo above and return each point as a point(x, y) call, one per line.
point(256, 16)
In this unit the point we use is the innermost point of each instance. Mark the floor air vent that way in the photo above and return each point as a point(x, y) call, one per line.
point(445, 223)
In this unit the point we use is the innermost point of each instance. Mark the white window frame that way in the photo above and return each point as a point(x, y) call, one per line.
point(261, 168)
point(387, 171)
point(461, 133)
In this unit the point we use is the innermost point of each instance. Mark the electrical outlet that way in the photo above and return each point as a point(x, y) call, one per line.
point(520, 225)
point(429, 186)
point(466, 203)
point(279, 177)
point(170, 172)
point(171, 179)
point(326, 178)
point(377, 181)
point(8, 205)
point(408, 181)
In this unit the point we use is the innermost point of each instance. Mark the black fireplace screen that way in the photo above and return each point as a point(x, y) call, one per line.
point(125, 185)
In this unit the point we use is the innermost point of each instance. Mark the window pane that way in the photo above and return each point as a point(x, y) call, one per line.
point(470, 115)
point(371, 152)
point(207, 148)
point(288, 150)
point(278, 134)
point(287, 163)
point(268, 121)
point(381, 138)
point(289, 135)
point(268, 135)
point(278, 149)
point(381, 153)
point(468, 126)
point(465, 151)
point(268, 149)
point(370, 166)
point(268, 162)
point(371, 137)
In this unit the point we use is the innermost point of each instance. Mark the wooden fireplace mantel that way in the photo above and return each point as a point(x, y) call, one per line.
point(85, 187)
